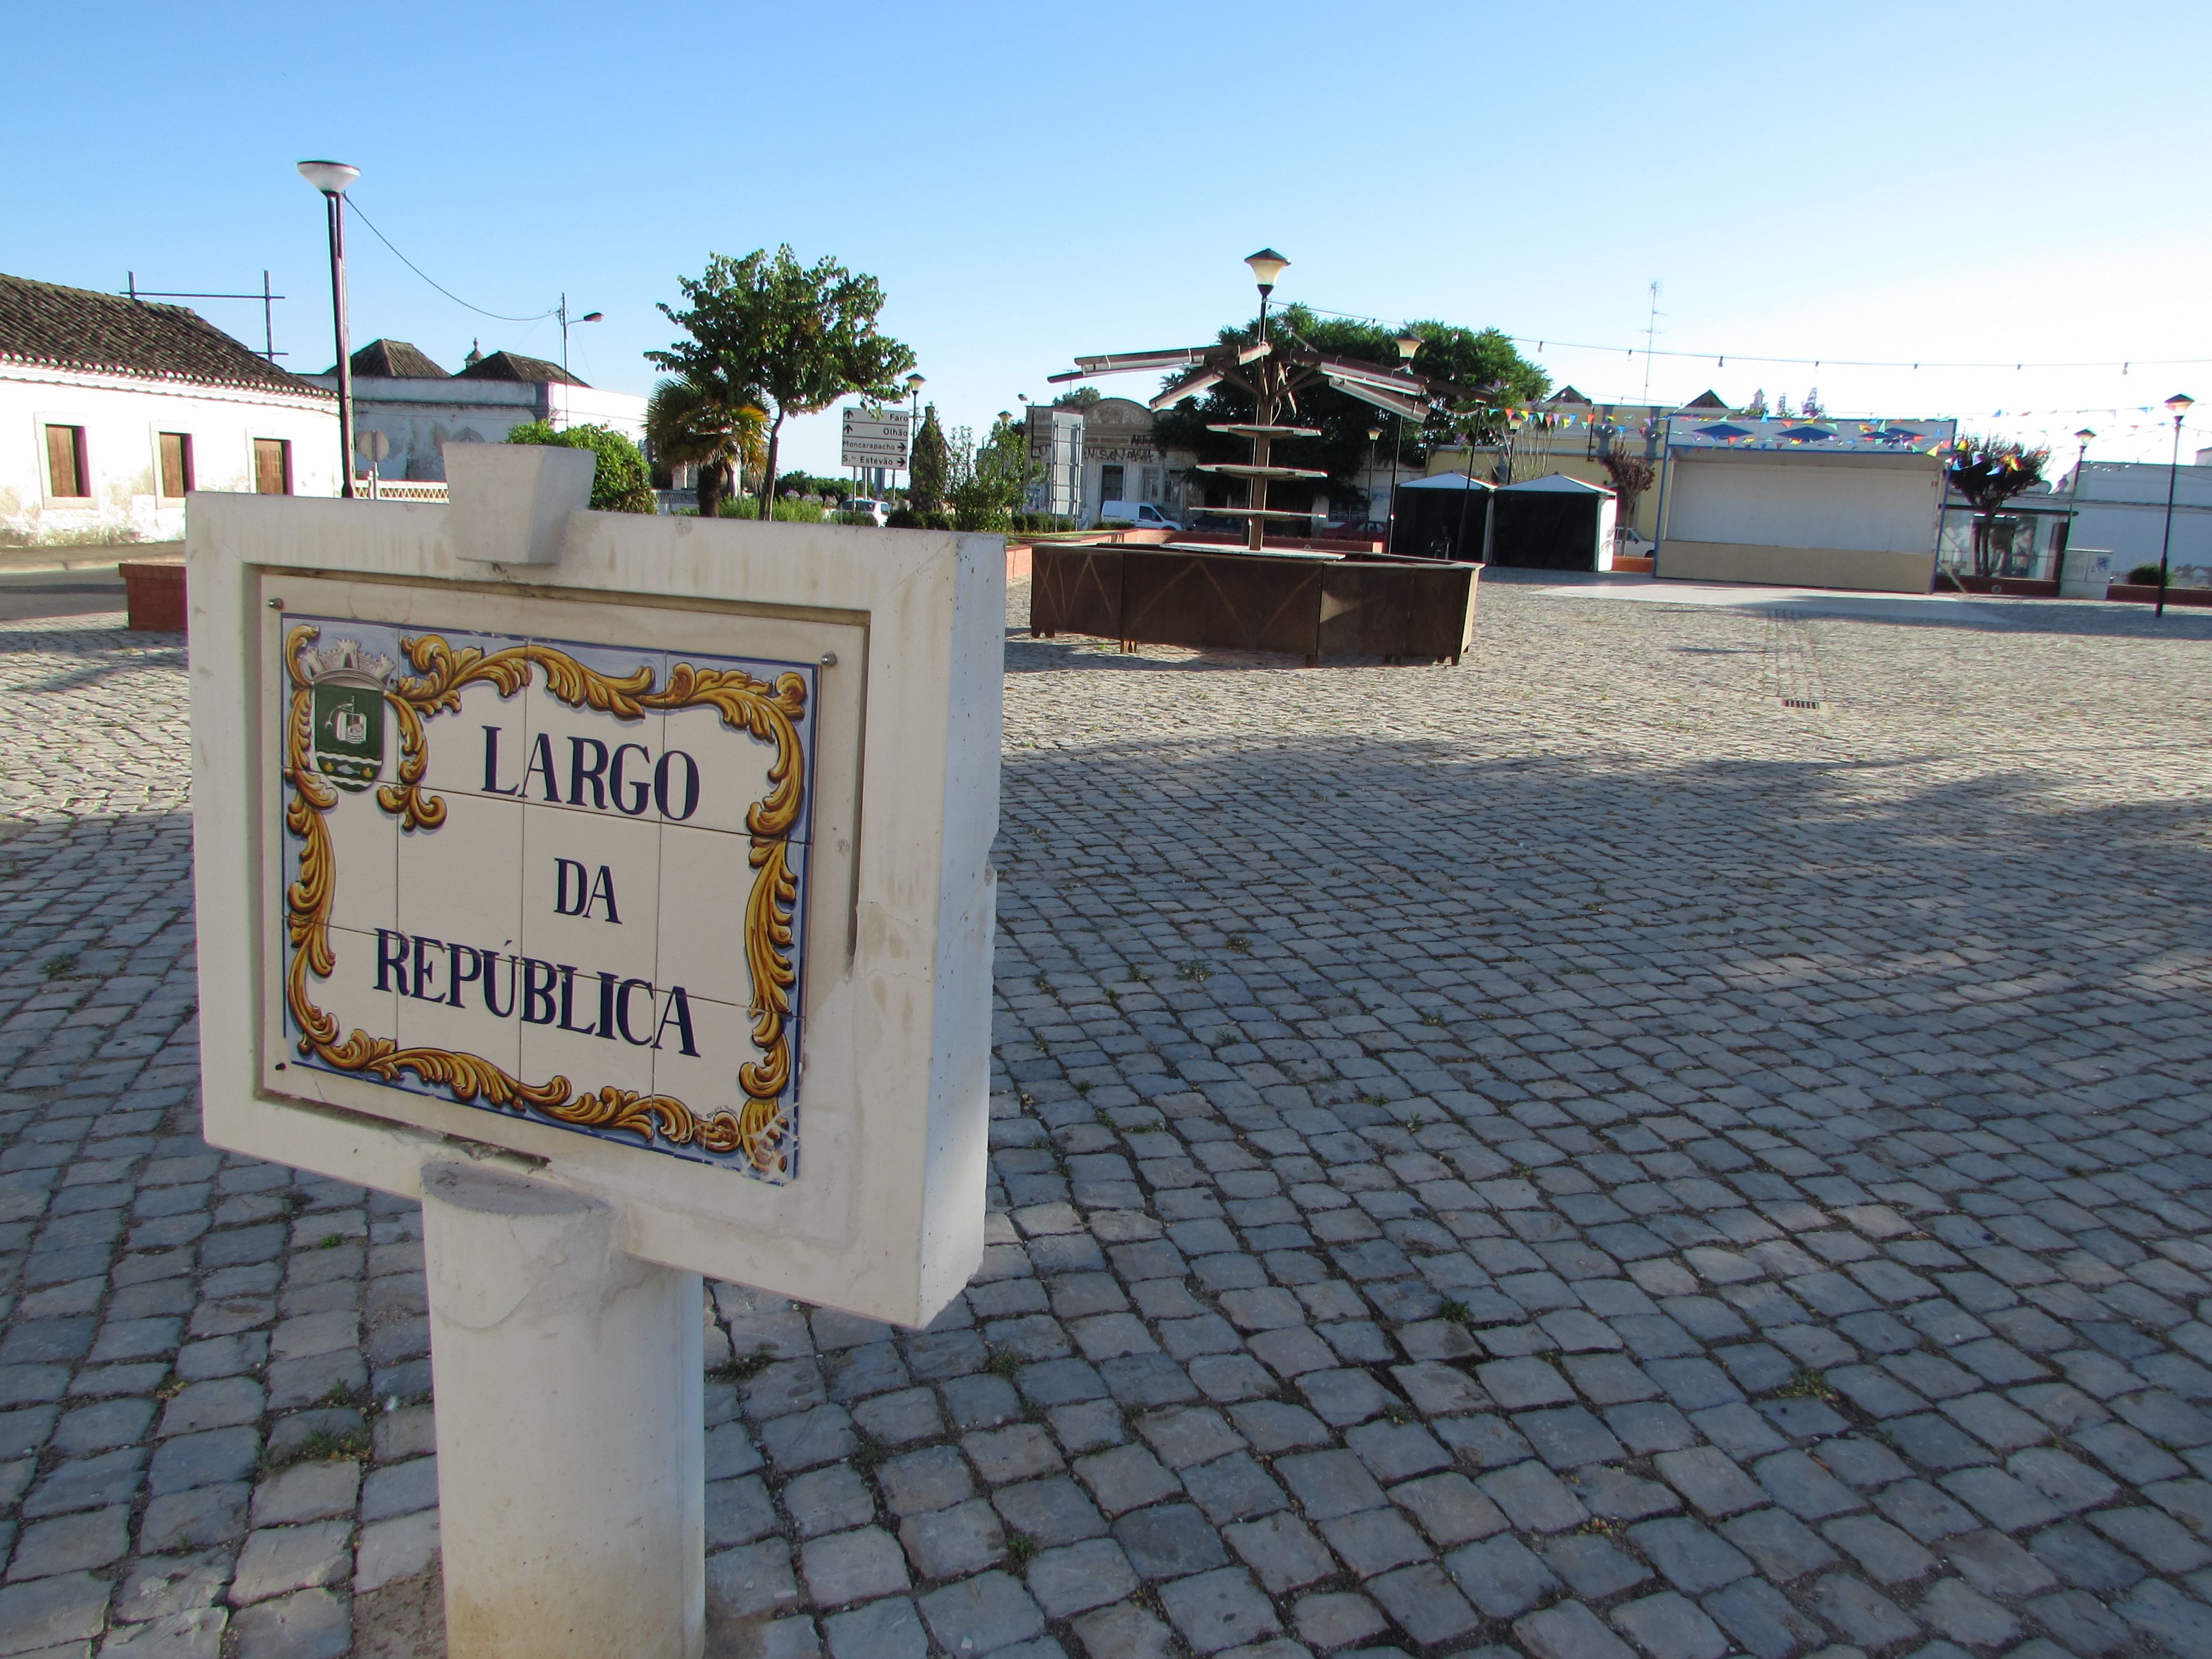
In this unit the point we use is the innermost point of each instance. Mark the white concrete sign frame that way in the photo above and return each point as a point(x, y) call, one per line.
point(544, 1242)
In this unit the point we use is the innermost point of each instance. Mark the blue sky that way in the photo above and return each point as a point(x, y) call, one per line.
point(2018, 183)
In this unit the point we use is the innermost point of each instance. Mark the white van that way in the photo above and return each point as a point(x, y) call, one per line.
point(879, 511)
point(1143, 514)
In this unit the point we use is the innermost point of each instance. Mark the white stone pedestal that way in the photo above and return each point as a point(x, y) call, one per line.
point(571, 1449)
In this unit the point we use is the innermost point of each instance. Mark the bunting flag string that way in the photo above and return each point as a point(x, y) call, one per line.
point(1543, 343)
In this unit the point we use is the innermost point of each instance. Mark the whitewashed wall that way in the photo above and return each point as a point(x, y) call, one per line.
point(420, 417)
point(123, 419)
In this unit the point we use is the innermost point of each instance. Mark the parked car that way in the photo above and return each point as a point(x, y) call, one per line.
point(879, 511)
point(1143, 514)
point(1355, 530)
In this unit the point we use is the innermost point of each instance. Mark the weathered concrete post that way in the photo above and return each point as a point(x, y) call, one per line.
point(569, 1426)
point(530, 885)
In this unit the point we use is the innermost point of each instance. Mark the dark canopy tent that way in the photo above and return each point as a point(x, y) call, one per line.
point(1552, 523)
point(1431, 513)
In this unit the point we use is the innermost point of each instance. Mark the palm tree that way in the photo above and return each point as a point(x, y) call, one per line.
point(698, 420)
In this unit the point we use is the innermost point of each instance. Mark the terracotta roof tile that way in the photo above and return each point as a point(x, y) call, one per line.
point(513, 366)
point(95, 334)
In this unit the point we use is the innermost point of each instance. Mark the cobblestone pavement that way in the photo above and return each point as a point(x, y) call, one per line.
point(1570, 1155)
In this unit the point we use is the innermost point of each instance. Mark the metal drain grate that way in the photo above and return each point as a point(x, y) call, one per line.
point(1800, 702)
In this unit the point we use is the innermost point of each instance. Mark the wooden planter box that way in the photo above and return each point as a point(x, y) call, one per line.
point(1391, 608)
point(154, 594)
point(2147, 594)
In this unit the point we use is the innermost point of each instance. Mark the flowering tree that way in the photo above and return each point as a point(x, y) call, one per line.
point(1987, 472)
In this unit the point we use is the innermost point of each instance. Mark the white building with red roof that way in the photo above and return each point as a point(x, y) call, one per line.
point(112, 410)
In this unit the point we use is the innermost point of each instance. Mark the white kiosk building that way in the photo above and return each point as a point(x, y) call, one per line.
point(1821, 503)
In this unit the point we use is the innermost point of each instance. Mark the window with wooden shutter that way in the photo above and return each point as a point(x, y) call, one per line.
point(176, 464)
point(272, 466)
point(66, 469)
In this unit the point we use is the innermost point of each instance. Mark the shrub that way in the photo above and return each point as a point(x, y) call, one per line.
point(867, 519)
point(2144, 575)
point(799, 513)
point(1118, 524)
point(620, 481)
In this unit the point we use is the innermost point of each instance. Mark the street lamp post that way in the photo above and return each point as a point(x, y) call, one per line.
point(561, 311)
point(2179, 404)
point(331, 178)
point(1374, 437)
point(1267, 266)
point(1408, 343)
point(1466, 498)
point(2073, 504)
point(1514, 421)
point(913, 386)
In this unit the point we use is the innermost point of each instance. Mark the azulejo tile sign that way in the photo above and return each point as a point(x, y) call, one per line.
point(595, 918)
point(647, 857)
point(619, 888)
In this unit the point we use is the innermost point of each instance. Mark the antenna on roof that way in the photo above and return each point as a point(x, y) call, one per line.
point(132, 291)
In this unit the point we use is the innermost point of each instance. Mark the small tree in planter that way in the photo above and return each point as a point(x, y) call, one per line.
point(1631, 475)
point(1987, 472)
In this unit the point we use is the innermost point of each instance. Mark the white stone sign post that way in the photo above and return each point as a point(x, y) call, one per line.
point(619, 887)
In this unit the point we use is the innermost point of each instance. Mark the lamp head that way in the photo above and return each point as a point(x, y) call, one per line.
point(915, 382)
point(1267, 266)
point(1374, 433)
point(1408, 343)
point(331, 177)
point(2083, 436)
point(593, 317)
point(2179, 404)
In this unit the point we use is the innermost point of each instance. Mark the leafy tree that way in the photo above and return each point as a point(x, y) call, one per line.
point(620, 481)
point(696, 420)
point(1989, 472)
point(795, 337)
point(1081, 396)
point(925, 489)
point(1484, 374)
